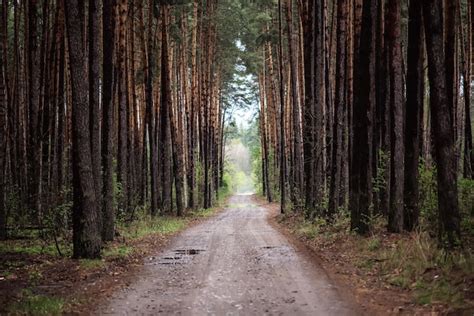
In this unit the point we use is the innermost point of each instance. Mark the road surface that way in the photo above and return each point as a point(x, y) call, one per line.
point(233, 264)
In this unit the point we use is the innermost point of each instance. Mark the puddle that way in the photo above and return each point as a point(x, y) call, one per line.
point(177, 256)
point(189, 251)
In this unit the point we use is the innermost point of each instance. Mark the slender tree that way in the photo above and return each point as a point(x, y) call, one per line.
point(414, 106)
point(108, 212)
point(395, 215)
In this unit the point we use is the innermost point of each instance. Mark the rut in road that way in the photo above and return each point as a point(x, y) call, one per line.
point(233, 264)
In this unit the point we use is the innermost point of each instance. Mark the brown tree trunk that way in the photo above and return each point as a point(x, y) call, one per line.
point(108, 41)
point(339, 109)
point(282, 116)
point(395, 215)
point(34, 140)
point(86, 233)
point(449, 217)
point(361, 165)
point(298, 158)
point(414, 106)
point(3, 125)
point(123, 159)
point(94, 112)
point(165, 105)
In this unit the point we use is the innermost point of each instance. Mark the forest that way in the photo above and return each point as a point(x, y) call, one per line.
point(117, 111)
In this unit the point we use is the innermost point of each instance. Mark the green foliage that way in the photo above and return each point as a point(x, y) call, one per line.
point(147, 225)
point(380, 181)
point(308, 230)
point(428, 196)
point(434, 274)
point(31, 304)
point(118, 251)
point(466, 205)
point(33, 247)
point(373, 244)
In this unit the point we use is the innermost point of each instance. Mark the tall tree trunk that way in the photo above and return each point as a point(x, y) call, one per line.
point(150, 116)
point(297, 135)
point(3, 125)
point(467, 61)
point(282, 116)
point(86, 233)
point(123, 159)
point(339, 109)
point(94, 112)
point(395, 215)
point(165, 105)
point(414, 107)
point(449, 217)
point(108, 41)
point(34, 140)
point(361, 164)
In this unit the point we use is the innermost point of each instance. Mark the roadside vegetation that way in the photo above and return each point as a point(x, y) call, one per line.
point(413, 269)
point(38, 279)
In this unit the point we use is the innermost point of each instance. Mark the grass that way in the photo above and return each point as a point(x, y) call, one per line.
point(153, 225)
point(203, 212)
point(307, 229)
point(434, 275)
point(33, 247)
point(91, 263)
point(117, 251)
point(413, 262)
point(31, 304)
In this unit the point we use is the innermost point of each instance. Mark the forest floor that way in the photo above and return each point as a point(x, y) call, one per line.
point(243, 258)
point(34, 279)
point(387, 273)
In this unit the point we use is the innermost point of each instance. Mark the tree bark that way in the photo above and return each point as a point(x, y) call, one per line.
point(449, 218)
point(361, 163)
point(414, 107)
point(395, 215)
point(339, 109)
point(108, 41)
point(86, 233)
point(94, 96)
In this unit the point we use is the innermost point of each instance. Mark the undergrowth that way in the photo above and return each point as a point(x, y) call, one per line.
point(35, 304)
point(413, 262)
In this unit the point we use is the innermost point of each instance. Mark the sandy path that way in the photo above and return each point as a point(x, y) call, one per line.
point(233, 264)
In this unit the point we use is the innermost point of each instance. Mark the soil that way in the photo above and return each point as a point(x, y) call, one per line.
point(234, 264)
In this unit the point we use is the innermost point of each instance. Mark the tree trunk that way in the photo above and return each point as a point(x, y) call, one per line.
point(165, 145)
point(86, 233)
point(395, 215)
point(108, 41)
point(123, 159)
point(414, 107)
point(339, 109)
point(449, 218)
point(94, 68)
point(3, 126)
point(361, 164)
point(282, 117)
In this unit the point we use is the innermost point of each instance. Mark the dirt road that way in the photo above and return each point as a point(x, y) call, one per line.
point(233, 264)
